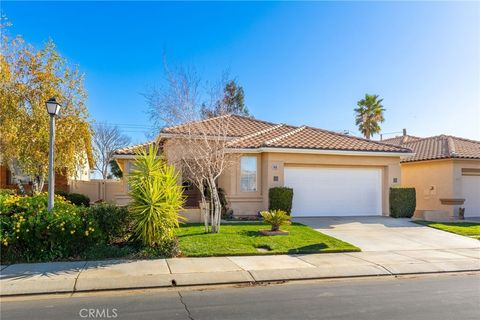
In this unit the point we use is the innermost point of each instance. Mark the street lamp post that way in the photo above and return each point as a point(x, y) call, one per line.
point(53, 107)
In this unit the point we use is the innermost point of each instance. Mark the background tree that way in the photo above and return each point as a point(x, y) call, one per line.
point(200, 153)
point(232, 102)
point(106, 139)
point(28, 78)
point(369, 115)
point(115, 171)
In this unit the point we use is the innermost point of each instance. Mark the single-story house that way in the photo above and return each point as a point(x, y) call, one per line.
point(331, 174)
point(445, 171)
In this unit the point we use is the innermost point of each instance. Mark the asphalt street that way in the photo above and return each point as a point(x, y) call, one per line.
point(426, 297)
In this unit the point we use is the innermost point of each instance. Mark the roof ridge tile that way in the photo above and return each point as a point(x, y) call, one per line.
point(443, 136)
point(451, 146)
point(256, 133)
point(285, 135)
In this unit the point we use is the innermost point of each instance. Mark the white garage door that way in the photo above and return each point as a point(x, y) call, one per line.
point(471, 193)
point(335, 191)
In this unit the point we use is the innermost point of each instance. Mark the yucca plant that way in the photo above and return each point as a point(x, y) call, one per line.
point(157, 198)
point(276, 218)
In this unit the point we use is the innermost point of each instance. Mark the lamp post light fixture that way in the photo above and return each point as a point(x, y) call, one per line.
point(53, 107)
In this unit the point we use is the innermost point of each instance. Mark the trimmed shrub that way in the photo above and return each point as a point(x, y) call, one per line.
point(280, 198)
point(402, 202)
point(275, 218)
point(77, 199)
point(29, 232)
point(112, 220)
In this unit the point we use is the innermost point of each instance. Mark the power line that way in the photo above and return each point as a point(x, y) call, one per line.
point(124, 125)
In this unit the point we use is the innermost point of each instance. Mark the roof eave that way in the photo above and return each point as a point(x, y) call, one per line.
point(124, 156)
point(439, 159)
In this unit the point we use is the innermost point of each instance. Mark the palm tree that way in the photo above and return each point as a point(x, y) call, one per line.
point(369, 115)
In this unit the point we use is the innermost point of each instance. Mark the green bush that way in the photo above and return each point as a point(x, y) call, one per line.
point(77, 199)
point(29, 232)
point(280, 198)
point(8, 191)
point(157, 198)
point(402, 202)
point(167, 249)
point(112, 220)
point(276, 218)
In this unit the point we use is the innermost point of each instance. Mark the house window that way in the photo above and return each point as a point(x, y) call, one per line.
point(248, 174)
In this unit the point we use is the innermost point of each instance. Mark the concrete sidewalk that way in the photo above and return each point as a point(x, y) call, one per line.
point(69, 277)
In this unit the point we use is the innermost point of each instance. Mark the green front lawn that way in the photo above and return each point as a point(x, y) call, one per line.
point(244, 239)
point(468, 229)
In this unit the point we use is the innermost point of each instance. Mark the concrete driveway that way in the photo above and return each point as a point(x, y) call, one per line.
point(386, 234)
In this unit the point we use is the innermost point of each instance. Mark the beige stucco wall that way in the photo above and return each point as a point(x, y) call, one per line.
point(435, 180)
point(270, 165)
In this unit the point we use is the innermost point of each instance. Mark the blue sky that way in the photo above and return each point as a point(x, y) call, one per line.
point(299, 63)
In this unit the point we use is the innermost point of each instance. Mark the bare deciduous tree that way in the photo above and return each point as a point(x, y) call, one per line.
point(106, 139)
point(198, 149)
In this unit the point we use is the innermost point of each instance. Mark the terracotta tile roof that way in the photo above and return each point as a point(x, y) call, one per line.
point(443, 147)
point(131, 150)
point(249, 133)
point(258, 139)
point(237, 126)
point(399, 140)
point(318, 139)
point(287, 136)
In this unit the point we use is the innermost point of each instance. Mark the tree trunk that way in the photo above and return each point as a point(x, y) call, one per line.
point(212, 210)
point(217, 207)
point(35, 186)
point(367, 135)
point(105, 172)
point(13, 172)
point(41, 183)
point(205, 211)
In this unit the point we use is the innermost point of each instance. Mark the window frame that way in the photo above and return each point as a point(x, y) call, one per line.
point(255, 189)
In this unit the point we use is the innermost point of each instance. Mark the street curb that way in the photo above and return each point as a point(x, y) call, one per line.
point(246, 280)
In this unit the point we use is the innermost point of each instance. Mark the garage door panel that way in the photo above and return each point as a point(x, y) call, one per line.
point(334, 191)
point(471, 193)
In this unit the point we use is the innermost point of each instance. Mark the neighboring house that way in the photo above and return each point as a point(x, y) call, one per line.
point(62, 182)
point(400, 140)
point(444, 171)
point(331, 174)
